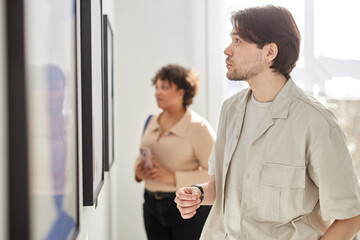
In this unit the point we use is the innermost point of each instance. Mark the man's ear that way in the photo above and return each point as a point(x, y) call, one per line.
point(271, 51)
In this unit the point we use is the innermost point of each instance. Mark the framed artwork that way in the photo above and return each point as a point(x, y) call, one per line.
point(108, 93)
point(43, 139)
point(18, 176)
point(92, 99)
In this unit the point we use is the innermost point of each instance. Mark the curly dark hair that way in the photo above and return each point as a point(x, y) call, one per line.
point(182, 77)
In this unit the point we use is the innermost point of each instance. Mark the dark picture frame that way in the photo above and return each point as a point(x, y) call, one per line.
point(19, 211)
point(92, 99)
point(42, 120)
point(108, 93)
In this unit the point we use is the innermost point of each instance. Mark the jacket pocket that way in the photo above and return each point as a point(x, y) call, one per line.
point(281, 192)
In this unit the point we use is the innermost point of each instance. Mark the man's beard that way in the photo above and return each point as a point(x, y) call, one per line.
point(249, 70)
point(235, 76)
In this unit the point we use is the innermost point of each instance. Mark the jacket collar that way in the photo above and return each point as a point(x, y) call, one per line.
point(281, 104)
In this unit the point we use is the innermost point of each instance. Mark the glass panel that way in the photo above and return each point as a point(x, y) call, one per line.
point(51, 94)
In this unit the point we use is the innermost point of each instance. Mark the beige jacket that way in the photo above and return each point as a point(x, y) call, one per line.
point(299, 173)
point(185, 149)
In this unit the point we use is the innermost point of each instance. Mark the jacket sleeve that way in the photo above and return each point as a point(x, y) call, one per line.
point(217, 152)
point(332, 170)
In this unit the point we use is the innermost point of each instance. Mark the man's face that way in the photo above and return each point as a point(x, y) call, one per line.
point(244, 60)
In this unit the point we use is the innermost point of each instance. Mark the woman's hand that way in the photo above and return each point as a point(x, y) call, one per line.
point(161, 174)
point(142, 172)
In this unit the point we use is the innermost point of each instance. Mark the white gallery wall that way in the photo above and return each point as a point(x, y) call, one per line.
point(150, 34)
point(147, 36)
point(3, 130)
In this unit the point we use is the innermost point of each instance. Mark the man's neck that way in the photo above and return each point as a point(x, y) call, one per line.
point(266, 87)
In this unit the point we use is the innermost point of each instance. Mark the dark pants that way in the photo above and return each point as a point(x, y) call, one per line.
point(163, 220)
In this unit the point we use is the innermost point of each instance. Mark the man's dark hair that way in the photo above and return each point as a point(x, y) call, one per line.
point(264, 25)
point(182, 77)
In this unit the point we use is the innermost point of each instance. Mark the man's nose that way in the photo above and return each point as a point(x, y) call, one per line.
point(227, 51)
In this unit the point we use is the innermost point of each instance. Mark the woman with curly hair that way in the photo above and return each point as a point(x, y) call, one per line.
point(178, 142)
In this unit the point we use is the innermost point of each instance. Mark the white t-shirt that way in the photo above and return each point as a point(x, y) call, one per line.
point(254, 115)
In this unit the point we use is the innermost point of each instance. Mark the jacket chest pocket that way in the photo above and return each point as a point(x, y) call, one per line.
point(281, 192)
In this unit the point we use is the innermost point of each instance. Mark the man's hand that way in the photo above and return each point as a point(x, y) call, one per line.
point(188, 200)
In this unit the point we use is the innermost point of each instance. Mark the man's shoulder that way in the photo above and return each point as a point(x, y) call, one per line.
point(314, 109)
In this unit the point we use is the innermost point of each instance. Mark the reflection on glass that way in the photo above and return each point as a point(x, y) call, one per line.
point(58, 145)
point(51, 95)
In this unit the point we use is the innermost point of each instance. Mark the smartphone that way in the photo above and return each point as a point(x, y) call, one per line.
point(146, 157)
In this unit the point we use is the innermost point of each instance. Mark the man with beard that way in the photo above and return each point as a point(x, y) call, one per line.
point(280, 166)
